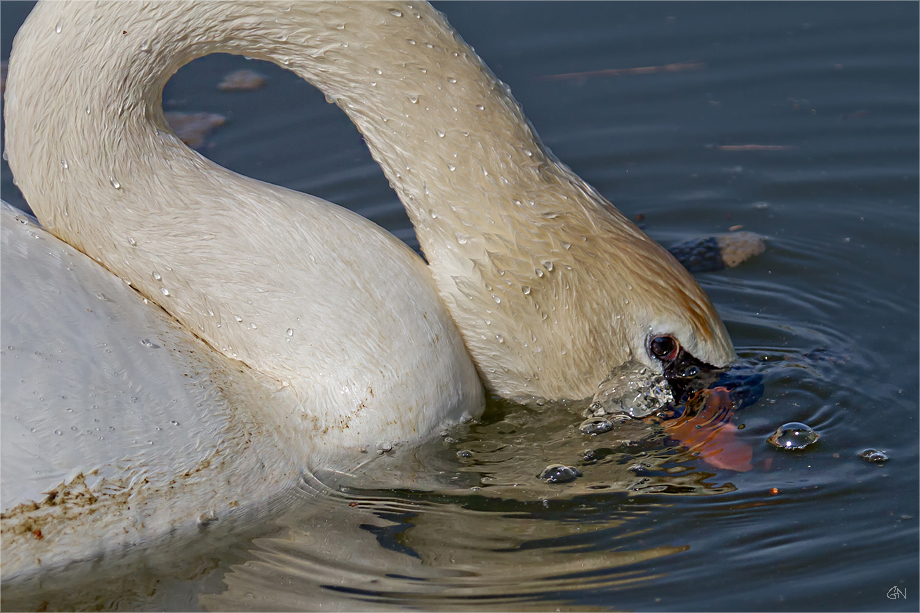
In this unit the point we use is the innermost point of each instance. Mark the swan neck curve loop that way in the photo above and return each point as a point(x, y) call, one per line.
point(549, 285)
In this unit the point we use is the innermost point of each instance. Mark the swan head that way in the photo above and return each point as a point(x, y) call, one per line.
point(553, 306)
point(689, 347)
point(661, 316)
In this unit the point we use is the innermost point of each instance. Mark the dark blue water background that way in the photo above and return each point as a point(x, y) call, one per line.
point(828, 316)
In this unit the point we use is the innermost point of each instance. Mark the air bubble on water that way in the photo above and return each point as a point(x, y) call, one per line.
point(874, 455)
point(596, 425)
point(559, 473)
point(793, 436)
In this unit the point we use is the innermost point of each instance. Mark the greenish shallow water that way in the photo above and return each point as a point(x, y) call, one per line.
point(828, 316)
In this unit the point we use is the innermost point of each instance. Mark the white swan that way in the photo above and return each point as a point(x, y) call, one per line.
point(325, 334)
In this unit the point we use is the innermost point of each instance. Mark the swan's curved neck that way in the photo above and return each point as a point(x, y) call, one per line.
point(516, 242)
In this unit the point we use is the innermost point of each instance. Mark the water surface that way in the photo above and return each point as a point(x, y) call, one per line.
point(797, 121)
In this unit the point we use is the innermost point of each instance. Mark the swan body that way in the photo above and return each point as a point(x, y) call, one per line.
point(129, 420)
point(299, 317)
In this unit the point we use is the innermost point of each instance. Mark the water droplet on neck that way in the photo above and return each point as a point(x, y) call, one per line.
point(164, 291)
point(114, 183)
point(57, 28)
point(525, 289)
point(395, 13)
point(156, 276)
point(413, 98)
point(451, 80)
point(6, 156)
point(64, 164)
point(132, 242)
point(238, 318)
point(290, 332)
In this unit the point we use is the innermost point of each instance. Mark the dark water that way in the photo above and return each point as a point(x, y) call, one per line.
point(797, 121)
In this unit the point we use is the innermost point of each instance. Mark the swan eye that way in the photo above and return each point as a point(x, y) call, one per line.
point(664, 347)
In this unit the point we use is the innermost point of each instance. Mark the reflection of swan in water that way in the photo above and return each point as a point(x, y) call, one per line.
point(325, 333)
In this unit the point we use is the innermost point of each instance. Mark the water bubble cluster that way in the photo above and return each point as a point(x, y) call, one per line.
point(632, 389)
